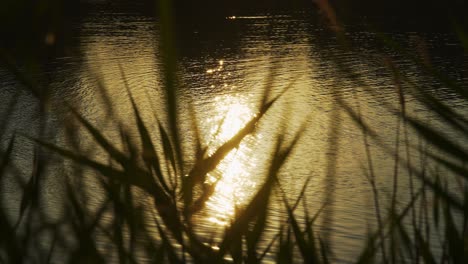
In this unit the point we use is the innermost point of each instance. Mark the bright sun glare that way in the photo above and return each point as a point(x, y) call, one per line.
point(232, 175)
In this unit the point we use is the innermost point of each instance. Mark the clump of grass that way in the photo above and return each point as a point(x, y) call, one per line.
point(437, 152)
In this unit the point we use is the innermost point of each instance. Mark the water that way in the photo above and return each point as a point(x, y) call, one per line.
point(225, 70)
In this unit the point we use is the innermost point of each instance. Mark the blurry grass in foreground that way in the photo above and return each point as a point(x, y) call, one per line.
point(438, 203)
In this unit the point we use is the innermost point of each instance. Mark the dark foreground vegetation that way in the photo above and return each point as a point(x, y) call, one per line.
point(152, 169)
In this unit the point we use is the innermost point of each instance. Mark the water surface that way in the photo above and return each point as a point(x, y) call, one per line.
point(224, 71)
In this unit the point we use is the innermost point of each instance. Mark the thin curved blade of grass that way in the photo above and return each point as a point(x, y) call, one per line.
point(455, 240)
point(436, 203)
point(253, 236)
point(277, 236)
point(163, 202)
point(100, 139)
point(269, 82)
point(10, 63)
point(104, 95)
point(429, 70)
point(149, 153)
point(260, 200)
point(169, 72)
point(393, 221)
point(316, 215)
point(324, 251)
point(446, 113)
point(285, 248)
point(7, 116)
point(429, 134)
point(407, 244)
point(369, 252)
point(6, 157)
point(296, 203)
point(439, 190)
point(118, 219)
point(268, 247)
point(168, 149)
point(132, 152)
point(143, 176)
point(307, 247)
point(8, 238)
point(135, 221)
point(424, 248)
point(358, 120)
point(106, 170)
point(30, 192)
point(432, 136)
point(236, 249)
point(438, 140)
point(52, 247)
point(169, 249)
point(199, 150)
point(86, 250)
point(240, 224)
point(455, 168)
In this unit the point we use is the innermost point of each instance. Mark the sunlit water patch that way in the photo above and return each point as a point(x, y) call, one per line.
point(232, 178)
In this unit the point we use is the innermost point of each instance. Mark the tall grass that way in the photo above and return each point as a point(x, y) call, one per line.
point(145, 189)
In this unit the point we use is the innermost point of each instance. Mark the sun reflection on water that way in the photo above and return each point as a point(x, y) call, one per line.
point(232, 179)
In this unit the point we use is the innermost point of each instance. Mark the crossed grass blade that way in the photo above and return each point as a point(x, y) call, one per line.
point(106, 170)
point(203, 166)
point(428, 69)
point(170, 155)
point(148, 150)
point(374, 239)
point(239, 226)
point(6, 156)
point(430, 134)
point(254, 234)
point(284, 253)
point(407, 245)
point(200, 151)
point(6, 117)
point(30, 197)
point(83, 229)
point(10, 63)
point(438, 139)
point(170, 252)
point(456, 242)
point(424, 248)
point(163, 203)
point(169, 73)
point(8, 239)
point(253, 210)
point(305, 239)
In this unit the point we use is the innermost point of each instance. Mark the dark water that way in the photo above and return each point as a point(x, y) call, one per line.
point(224, 69)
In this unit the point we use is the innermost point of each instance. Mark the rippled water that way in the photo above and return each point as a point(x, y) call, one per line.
point(225, 70)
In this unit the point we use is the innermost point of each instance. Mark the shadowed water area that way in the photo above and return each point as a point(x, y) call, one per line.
point(224, 71)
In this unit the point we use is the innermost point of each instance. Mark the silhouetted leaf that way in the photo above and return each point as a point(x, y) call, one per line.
point(425, 249)
point(285, 249)
point(6, 157)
